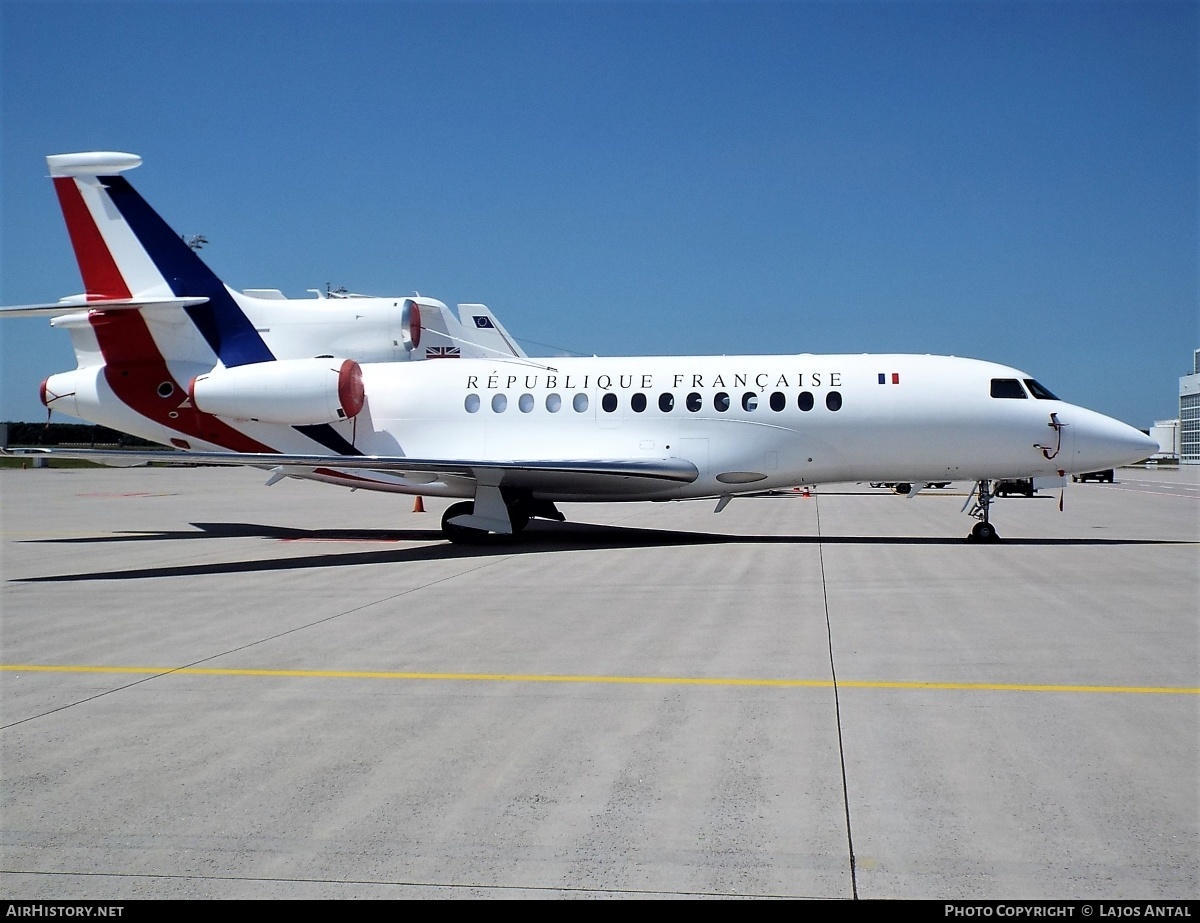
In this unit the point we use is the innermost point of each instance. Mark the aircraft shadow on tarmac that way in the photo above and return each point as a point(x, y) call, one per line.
point(538, 538)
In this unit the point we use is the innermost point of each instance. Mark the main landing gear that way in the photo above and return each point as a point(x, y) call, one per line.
point(462, 534)
point(477, 530)
point(983, 531)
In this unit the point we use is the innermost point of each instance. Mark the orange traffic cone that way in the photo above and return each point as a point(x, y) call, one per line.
point(806, 493)
point(419, 505)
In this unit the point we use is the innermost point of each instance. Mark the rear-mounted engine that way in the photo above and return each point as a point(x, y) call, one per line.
point(295, 392)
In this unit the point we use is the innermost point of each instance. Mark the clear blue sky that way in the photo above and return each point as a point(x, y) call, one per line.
point(1011, 181)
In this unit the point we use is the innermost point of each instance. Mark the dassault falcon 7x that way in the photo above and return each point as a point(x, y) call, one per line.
point(323, 389)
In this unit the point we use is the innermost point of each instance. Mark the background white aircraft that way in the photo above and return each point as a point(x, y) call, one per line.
point(322, 389)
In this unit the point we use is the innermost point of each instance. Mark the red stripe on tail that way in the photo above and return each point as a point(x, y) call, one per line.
point(101, 277)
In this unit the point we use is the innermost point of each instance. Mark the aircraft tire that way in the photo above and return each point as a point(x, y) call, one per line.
point(461, 534)
point(464, 535)
point(983, 532)
point(519, 519)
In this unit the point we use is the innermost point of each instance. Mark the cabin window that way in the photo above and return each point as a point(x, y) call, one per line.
point(580, 402)
point(472, 403)
point(1007, 387)
point(694, 402)
point(666, 402)
point(525, 403)
point(833, 400)
point(638, 402)
point(499, 403)
point(553, 403)
point(749, 401)
point(778, 401)
point(806, 401)
point(721, 402)
point(609, 402)
point(1038, 391)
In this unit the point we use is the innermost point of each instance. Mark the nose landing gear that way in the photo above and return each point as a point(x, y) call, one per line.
point(983, 531)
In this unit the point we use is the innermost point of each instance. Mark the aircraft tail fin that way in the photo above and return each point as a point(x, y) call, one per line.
point(114, 263)
point(128, 253)
point(488, 332)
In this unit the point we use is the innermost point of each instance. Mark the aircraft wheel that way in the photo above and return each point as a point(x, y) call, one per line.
point(465, 535)
point(461, 534)
point(518, 516)
point(984, 532)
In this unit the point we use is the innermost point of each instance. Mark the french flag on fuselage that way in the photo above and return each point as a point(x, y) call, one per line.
point(895, 378)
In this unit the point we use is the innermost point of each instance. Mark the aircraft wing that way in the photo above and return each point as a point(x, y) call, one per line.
point(510, 472)
point(72, 306)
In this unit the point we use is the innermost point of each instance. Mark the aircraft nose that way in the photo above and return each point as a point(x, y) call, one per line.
point(1102, 442)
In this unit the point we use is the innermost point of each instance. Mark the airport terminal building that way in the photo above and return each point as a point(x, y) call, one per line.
point(1189, 414)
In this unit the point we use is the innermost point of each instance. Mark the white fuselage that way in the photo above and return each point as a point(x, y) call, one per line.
point(937, 421)
point(788, 420)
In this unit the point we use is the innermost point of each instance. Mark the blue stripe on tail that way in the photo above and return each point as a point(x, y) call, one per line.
point(221, 322)
point(228, 331)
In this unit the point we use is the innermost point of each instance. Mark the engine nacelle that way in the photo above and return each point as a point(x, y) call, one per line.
point(410, 325)
point(296, 392)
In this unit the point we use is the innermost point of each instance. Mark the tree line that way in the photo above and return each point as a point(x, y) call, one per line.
point(74, 434)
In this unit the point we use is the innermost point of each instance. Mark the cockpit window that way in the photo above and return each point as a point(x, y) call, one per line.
point(1038, 391)
point(1007, 387)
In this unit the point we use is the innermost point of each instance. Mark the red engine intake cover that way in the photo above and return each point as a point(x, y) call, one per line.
point(414, 325)
point(350, 388)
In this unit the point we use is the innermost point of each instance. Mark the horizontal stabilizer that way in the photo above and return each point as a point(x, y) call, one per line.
point(92, 163)
point(70, 306)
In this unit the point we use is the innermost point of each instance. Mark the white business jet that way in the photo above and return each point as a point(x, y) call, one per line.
point(321, 389)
